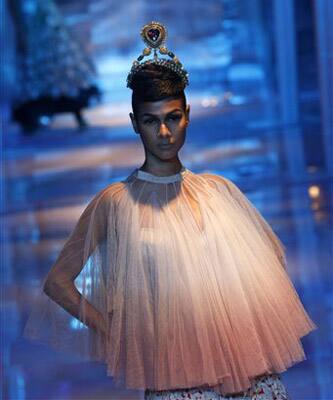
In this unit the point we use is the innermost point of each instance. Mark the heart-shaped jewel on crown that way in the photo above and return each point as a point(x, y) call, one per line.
point(154, 34)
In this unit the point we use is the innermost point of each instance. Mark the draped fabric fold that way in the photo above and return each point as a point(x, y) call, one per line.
point(190, 280)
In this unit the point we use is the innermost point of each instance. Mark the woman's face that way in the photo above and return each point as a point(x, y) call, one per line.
point(162, 126)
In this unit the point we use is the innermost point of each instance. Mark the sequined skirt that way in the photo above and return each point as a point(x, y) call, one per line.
point(265, 387)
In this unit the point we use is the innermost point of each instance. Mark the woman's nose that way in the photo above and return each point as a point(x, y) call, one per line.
point(164, 131)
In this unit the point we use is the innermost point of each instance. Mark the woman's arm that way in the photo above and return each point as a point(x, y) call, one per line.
point(260, 222)
point(69, 298)
point(59, 283)
point(254, 215)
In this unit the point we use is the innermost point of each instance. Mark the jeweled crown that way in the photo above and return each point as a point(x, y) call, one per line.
point(154, 35)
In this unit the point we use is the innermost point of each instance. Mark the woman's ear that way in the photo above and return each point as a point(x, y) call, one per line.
point(134, 123)
point(187, 114)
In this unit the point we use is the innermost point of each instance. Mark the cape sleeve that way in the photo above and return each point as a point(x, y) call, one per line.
point(224, 184)
point(82, 260)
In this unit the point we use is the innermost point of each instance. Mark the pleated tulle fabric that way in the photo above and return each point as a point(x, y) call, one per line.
point(190, 280)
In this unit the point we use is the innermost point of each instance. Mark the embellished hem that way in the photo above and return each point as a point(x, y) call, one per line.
point(266, 387)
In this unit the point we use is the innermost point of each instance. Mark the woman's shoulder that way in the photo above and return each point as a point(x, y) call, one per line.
point(109, 194)
point(211, 176)
point(217, 180)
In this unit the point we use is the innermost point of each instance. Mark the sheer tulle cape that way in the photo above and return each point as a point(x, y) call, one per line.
point(190, 280)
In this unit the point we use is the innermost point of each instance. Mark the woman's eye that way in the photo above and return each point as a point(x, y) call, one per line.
point(174, 117)
point(148, 121)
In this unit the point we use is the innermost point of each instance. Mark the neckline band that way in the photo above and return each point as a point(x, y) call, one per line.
point(147, 176)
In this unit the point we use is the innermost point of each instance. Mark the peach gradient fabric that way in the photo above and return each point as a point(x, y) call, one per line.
point(190, 279)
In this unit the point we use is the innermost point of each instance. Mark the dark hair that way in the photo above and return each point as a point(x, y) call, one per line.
point(156, 82)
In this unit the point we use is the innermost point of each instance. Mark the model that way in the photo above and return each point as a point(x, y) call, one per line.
point(179, 283)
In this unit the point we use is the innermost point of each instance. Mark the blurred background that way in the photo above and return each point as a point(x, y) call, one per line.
point(261, 95)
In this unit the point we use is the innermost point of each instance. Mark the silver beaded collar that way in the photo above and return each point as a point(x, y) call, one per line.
point(146, 176)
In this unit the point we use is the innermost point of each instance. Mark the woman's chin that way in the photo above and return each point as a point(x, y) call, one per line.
point(167, 152)
point(167, 155)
